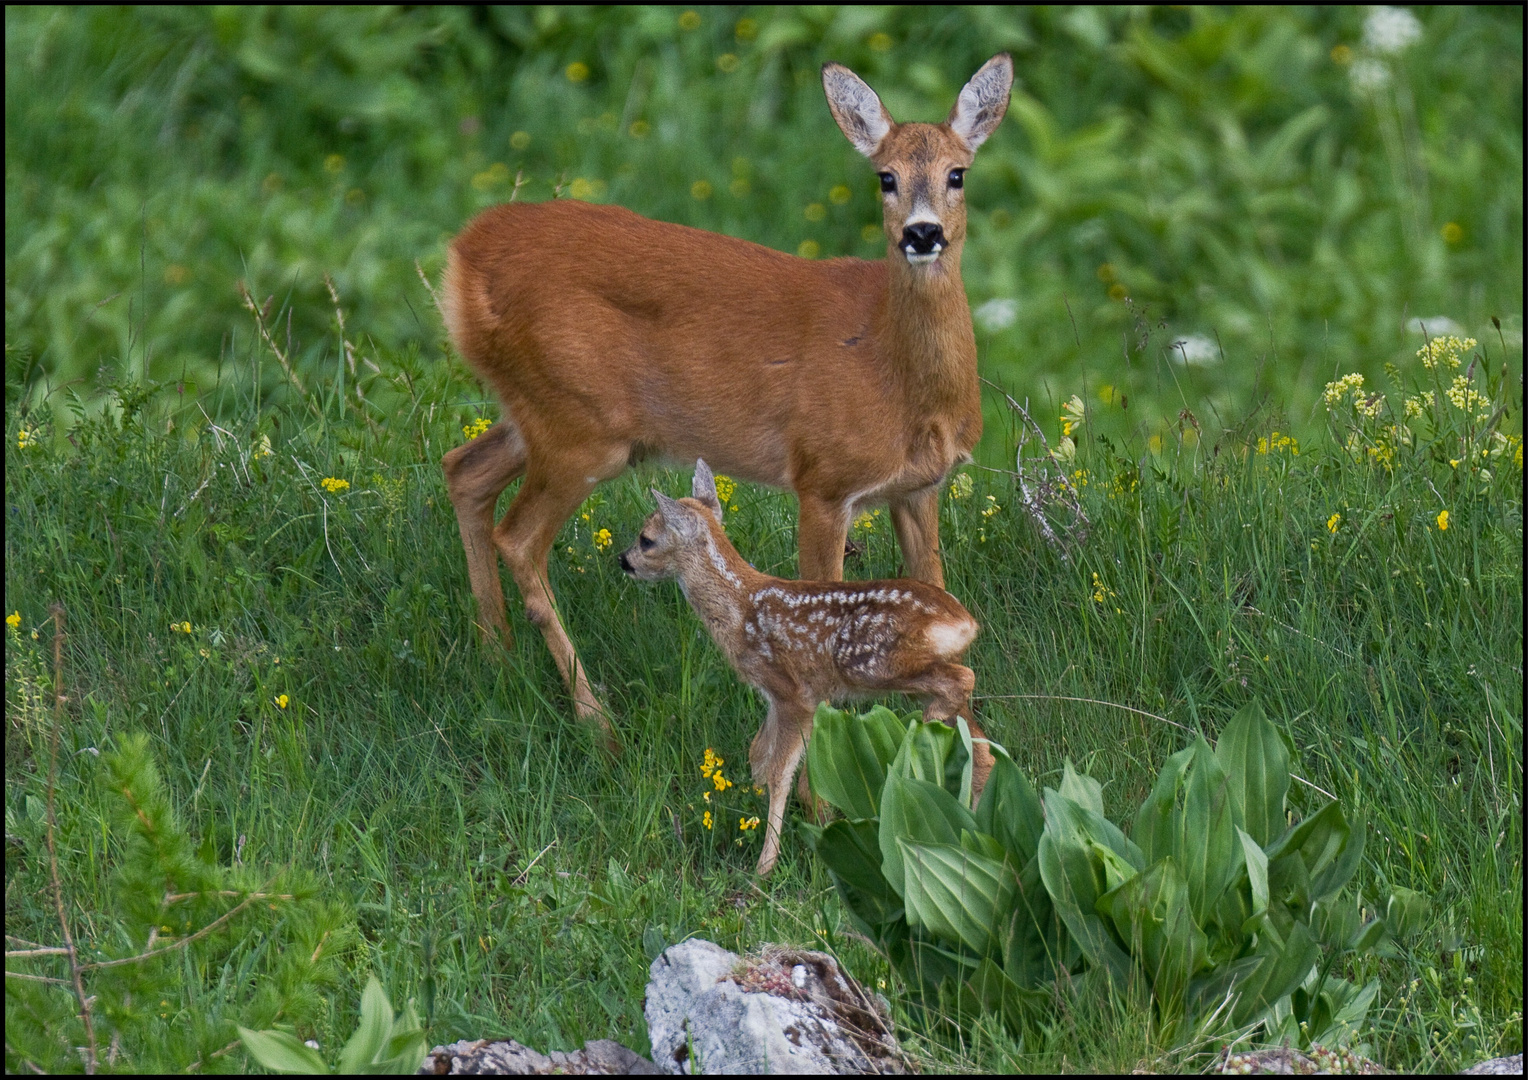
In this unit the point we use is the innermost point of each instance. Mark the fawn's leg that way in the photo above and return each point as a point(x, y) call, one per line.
point(947, 687)
point(476, 473)
point(548, 496)
point(790, 723)
point(916, 520)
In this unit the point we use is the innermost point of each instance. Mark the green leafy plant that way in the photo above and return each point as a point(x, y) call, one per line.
point(382, 1043)
point(1231, 913)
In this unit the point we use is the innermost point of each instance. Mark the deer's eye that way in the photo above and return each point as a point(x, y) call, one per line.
point(645, 543)
point(888, 183)
point(957, 178)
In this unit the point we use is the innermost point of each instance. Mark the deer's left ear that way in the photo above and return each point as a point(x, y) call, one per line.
point(678, 518)
point(983, 101)
point(703, 489)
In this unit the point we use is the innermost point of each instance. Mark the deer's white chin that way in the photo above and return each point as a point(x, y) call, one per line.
point(923, 259)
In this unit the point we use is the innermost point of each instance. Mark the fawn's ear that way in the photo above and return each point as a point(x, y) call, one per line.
point(983, 101)
point(703, 489)
point(859, 112)
point(678, 518)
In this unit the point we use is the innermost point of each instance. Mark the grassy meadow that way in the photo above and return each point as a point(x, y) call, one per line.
point(266, 601)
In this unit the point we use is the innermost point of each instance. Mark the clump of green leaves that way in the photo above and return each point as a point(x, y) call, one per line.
point(183, 946)
point(382, 1043)
point(1231, 913)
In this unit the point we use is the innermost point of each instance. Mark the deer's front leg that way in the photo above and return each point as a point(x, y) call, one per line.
point(791, 722)
point(916, 520)
point(820, 533)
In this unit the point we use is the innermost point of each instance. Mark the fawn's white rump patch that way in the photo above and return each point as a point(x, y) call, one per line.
point(947, 638)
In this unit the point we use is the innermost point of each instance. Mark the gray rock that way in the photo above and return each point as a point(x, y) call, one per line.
point(1502, 1066)
point(785, 1011)
point(505, 1057)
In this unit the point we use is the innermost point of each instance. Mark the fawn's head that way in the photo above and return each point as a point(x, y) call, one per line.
point(922, 166)
point(676, 532)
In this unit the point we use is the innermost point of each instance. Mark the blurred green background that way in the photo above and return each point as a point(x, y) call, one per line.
point(1281, 189)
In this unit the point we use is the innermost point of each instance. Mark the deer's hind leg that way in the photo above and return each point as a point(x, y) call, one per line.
point(946, 688)
point(774, 756)
point(477, 472)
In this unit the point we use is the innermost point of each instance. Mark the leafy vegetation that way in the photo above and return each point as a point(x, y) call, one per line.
point(241, 512)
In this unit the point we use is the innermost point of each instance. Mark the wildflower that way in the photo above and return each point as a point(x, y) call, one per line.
point(746, 823)
point(1066, 449)
point(815, 211)
point(1338, 389)
point(281, 701)
point(333, 485)
point(992, 507)
point(1452, 233)
point(1080, 478)
point(961, 486)
point(1416, 406)
point(1072, 415)
point(746, 29)
point(705, 819)
point(24, 439)
point(700, 189)
point(263, 447)
point(1369, 406)
point(577, 71)
point(725, 486)
point(839, 194)
point(477, 427)
point(1332, 522)
point(520, 140)
point(1465, 397)
point(706, 795)
point(1275, 443)
point(880, 41)
point(1101, 592)
point(809, 249)
point(13, 620)
point(334, 163)
point(721, 782)
point(690, 20)
point(1389, 30)
point(1444, 350)
point(602, 539)
point(727, 62)
point(1443, 521)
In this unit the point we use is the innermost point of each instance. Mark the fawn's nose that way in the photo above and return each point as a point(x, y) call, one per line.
point(625, 565)
point(923, 238)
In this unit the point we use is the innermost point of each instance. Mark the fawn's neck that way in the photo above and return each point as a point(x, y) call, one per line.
point(718, 582)
point(923, 326)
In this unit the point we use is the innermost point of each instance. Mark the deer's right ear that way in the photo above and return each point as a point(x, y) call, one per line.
point(859, 112)
point(703, 488)
point(677, 518)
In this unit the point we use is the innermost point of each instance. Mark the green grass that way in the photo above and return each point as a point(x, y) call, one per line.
point(1218, 166)
point(505, 873)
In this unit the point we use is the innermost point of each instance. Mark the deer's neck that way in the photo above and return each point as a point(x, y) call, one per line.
point(923, 327)
point(717, 582)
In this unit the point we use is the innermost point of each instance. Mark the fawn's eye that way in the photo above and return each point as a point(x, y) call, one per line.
point(888, 183)
point(957, 178)
point(644, 542)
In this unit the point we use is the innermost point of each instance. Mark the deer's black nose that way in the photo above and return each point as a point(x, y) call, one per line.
point(922, 238)
point(626, 565)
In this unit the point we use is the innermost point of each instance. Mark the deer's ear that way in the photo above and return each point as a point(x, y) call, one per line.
point(703, 489)
point(859, 112)
point(983, 101)
point(678, 518)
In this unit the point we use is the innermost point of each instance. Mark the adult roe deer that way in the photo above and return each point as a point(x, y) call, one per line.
point(609, 338)
point(802, 642)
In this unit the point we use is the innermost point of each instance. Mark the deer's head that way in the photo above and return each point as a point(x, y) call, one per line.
point(678, 531)
point(922, 166)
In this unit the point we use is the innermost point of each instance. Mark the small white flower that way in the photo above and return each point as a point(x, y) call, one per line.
point(1368, 74)
point(1388, 30)
point(999, 313)
point(1435, 327)
point(311, 1044)
point(1195, 349)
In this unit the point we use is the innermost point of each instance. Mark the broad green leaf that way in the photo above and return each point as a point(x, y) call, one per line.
point(1150, 911)
point(851, 851)
point(282, 1053)
point(1035, 944)
point(928, 964)
point(372, 1034)
point(1074, 878)
point(1204, 843)
point(1010, 810)
point(933, 752)
point(1334, 921)
point(1351, 1008)
point(1330, 878)
point(955, 895)
point(1288, 883)
point(1082, 789)
point(918, 812)
point(1154, 829)
point(1368, 936)
point(406, 1047)
point(1310, 835)
point(978, 843)
point(1116, 870)
point(1257, 762)
point(1257, 877)
point(847, 757)
point(996, 993)
point(1406, 911)
point(1215, 990)
point(1281, 971)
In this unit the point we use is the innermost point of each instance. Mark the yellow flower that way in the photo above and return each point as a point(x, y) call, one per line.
point(961, 485)
point(690, 20)
point(1332, 522)
point(880, 41)
point(711, 763)
point(1101, 592)
point(1445, 350)
point(725, 486)
point(281, 701)
point(334, 163)
point(476, 428)
point(809, 249)
point(1080, 478)
point(602, 539)
point(1072, 415)
point(746, 29)
point(1465, 397)
point(706, 795)
point(721, 782)
point(577, 71)
point(1338, 389)
point(839, 194)
point(1443, 521)
point(727, 62)
point(1276, 442)
point(13, 620)
point(992, 507)
point(24, 439)
point(700, 189)
point(1452, 233)
point(706, 819)
point(334, 486)
point(746, 823)
point(815, 211)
